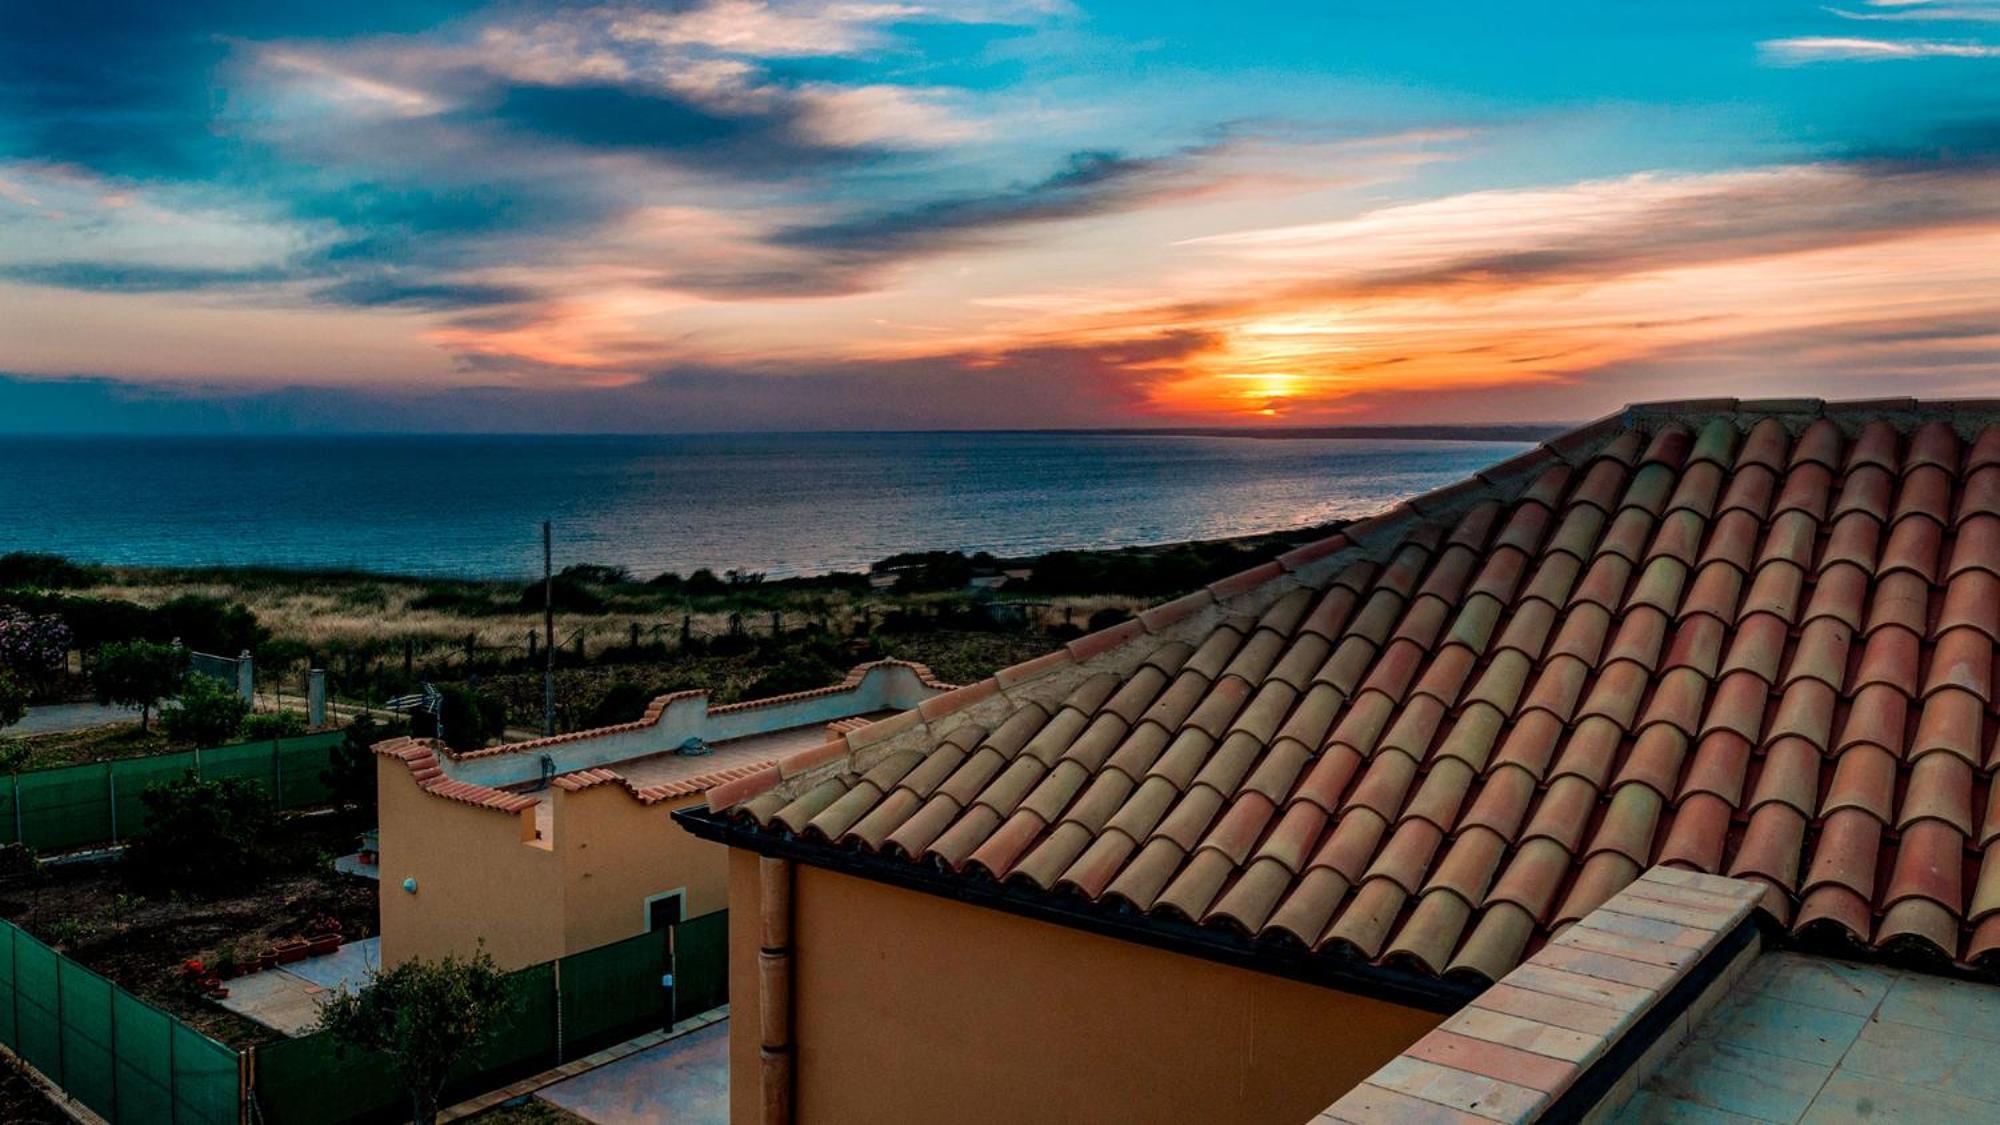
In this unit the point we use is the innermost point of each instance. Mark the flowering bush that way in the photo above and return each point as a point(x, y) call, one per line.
point(35, 647)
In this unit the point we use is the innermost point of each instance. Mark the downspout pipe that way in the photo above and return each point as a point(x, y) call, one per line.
point(774, 988)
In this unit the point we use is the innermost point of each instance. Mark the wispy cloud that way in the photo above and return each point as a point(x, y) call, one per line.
point(1832, 48)
point(1925, 11)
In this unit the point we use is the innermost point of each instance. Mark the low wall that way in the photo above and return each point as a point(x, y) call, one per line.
point(673, 719)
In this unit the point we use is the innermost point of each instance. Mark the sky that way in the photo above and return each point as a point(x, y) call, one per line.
point(234, 215)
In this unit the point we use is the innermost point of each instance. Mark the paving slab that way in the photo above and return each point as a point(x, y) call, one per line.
point(1813, 1039)
point(347, 968)
point(683, 1081)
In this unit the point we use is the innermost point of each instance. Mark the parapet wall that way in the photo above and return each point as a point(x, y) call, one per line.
point(671, 720)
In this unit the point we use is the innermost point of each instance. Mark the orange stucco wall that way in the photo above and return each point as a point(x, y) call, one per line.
point(480, 875)
point(912, 1008)
point(617, 852)
point(743, 1028)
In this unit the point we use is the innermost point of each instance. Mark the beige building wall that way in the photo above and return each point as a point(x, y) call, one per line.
point(616, 853)
point(475, 877)
point(913, 1008)
point(481, 873)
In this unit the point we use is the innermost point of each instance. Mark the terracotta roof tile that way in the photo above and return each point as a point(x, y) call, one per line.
point(1735, 646)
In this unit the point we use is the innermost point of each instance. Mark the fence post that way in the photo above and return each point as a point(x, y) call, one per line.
point(20, 829)
point(277, 775)
point(111, 785)
point(316, 697)
point(246, 677)
point(111, 1033)
point(562, 1051)
point(62, 1055)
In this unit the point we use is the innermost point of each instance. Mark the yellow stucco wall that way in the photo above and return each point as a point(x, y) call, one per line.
point(912, 1008)
point(475, 878)
point(616, 853)
point(478, 877)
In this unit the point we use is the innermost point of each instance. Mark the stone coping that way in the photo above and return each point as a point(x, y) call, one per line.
point(1574, 1025)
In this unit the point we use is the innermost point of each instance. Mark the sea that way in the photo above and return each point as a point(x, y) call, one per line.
point(779, 504)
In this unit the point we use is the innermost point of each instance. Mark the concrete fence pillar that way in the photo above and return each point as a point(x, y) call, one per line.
point(246, 677)
point(316, 697)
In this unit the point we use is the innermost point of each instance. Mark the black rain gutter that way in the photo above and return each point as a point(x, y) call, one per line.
point(1379, 982)
point(1576, 1103)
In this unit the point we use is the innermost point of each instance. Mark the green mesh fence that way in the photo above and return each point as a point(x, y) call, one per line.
point(110, 1050)
point(293, 1080)
point(607, 995)
point(613, 992)
point(525, 1044)
point(701, 964)
point(102, 803)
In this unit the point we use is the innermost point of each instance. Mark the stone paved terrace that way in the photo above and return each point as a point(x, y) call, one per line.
point(1813, 1039)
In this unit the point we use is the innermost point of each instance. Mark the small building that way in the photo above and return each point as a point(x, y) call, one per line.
point(544, 848)
point(1468, 812)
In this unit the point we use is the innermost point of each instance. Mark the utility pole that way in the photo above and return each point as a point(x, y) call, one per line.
point(548, 631)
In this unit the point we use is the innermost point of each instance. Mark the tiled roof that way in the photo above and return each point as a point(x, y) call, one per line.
point(421, 756)
point(1750, 639)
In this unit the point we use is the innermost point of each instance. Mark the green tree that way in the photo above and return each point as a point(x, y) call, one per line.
point(13, 700)
point(207, 712)
point(469, 717)
point(209, 624)
point(350, 768)
point(137, 674)
point(426, 1016)
point(202, 838)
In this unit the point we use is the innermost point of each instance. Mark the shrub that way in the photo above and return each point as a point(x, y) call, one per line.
point(350, 769)
point(13, 700)
point(470, 718)
point(202, 838)
point(207, 712)
point(1106, 618)
point(34, 570)
point(93, 621)
point(623, 702)
point(596, 574)
point(137, 674)
point(265, 725)
point(34, 647)
point(568, 594)
point(209, 625)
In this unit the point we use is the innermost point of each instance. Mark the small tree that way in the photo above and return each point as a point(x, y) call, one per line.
point(202, 837)
point(426, 1016)
point(469, 718)
point(13, 700)
point(350, 768)
point(206, 712)
point(137, 674)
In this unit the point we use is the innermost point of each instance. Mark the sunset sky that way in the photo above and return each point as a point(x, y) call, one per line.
point(762, 214)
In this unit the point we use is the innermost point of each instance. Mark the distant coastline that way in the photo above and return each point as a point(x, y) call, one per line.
point(1496, 431)
point(782, 505)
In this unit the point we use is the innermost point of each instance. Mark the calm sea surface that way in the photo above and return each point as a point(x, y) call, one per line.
point(784, 504)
